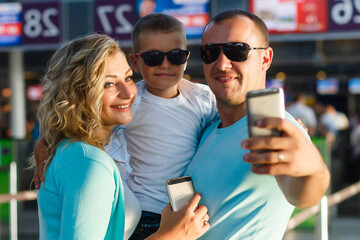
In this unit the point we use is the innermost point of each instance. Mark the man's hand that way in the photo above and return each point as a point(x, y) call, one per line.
point(41, 155)
point(294, 160)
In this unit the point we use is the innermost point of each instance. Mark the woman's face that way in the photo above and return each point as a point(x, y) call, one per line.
point(119, 91)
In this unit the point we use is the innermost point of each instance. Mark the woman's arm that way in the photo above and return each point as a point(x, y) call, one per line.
point(190, 222)
point(87, 190)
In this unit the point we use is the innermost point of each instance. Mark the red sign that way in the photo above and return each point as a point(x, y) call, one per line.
point(11, 29)
point(292, 16)
point(34, 93)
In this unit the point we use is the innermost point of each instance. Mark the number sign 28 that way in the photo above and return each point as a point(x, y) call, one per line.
point(115, 18)
point(41, 23)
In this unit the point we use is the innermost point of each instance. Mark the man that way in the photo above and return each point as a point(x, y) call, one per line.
point(333, 121)
point(299, 109)
point(249, 195)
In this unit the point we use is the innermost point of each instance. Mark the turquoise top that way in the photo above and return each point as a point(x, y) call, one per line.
point(82, 196)
point(242, 204)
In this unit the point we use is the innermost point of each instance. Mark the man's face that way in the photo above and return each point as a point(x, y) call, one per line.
point(231, 80)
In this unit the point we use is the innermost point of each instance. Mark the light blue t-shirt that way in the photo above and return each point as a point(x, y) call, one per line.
point(241, 204)
point(82, 196)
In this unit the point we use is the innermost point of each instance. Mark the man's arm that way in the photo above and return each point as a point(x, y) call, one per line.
point(295, 161)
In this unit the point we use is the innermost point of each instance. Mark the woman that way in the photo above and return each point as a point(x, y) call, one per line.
point(87, 90)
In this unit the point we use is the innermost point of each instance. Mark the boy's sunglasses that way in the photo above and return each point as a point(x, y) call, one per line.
point(234, 51)
point(155, 58)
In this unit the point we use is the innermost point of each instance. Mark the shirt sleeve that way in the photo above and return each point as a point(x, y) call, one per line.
point(87, 190)
point(209, 107)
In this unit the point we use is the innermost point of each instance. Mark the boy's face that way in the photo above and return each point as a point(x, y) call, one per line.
point(160, 80)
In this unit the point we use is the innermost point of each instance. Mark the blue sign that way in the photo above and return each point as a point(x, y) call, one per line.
point(354, 86)
point(274, 83)
point(327, 86)
point(10, 24)
point(194, 14)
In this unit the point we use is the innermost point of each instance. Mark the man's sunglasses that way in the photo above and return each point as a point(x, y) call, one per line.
point(234, 51)
point(155, 58)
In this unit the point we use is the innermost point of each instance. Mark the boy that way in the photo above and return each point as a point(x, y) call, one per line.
point(170, 114)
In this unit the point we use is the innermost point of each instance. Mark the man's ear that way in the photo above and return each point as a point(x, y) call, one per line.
point(134, 62)
point(267, 58)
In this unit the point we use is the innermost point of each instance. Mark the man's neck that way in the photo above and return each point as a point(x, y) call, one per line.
point(231, 114)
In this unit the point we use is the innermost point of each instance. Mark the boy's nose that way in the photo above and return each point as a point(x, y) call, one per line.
point(165, 63)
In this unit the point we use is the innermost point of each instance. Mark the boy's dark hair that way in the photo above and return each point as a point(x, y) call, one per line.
point(231, 13)
point(155, 22)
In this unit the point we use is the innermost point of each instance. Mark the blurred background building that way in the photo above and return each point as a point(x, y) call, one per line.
point(316, 54)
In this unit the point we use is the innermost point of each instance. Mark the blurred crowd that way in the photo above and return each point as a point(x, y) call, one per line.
point(322, 120)
point(342, 132)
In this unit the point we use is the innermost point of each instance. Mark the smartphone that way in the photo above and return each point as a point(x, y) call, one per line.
point(180, 190)
point(261, 104)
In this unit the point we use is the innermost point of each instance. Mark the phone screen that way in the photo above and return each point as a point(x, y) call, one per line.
point(180, 190)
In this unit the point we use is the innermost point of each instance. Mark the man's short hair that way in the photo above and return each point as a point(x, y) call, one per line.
point(231, 13)
point(155, 22)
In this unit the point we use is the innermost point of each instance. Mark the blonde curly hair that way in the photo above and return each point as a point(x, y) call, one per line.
point(72, 92)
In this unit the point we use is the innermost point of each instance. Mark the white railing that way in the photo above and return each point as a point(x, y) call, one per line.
point(322, 209)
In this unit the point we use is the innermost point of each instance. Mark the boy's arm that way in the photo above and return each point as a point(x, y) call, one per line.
point(41, 154)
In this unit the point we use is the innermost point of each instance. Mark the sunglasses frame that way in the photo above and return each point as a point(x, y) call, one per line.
point(225, 47)
point(162, 54)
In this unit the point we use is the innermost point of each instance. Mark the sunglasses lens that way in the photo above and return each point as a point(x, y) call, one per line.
point(178, 57)
point(209, 53)
point(154, 58)
point(236, 51)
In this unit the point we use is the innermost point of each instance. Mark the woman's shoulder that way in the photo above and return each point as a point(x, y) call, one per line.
point(80, 153)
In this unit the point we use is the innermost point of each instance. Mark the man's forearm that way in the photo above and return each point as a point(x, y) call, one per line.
point(303, 192)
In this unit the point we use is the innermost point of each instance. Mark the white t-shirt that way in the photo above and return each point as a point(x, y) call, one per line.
point(162, 139)
point(335, 121)
point(132, 212)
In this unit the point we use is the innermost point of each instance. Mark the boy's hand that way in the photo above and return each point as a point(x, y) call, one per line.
point(41, 155)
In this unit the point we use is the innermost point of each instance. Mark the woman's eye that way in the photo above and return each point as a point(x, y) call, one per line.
point(129, 78)
point(108, 84)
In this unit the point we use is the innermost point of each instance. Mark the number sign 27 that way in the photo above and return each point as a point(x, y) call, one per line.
point(41, 23)
point(115, 18)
